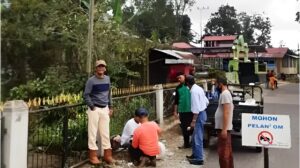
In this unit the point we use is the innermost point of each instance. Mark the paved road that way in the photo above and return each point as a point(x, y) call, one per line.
point(284, 100)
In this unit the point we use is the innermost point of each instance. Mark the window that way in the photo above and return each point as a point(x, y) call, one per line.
point(285, 62)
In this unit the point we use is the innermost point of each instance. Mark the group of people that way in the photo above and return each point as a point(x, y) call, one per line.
point(271, 80)
point(141, 136)
point(189, 107)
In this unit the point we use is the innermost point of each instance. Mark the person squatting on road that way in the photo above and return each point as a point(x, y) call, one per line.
point(199, 104)
point(182, 107)
point(144, 147)
point(223, 124)
point(97, 96)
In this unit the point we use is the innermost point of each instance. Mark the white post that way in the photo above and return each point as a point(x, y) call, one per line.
point(205, 85)
point(15, 118)
point(159, 104)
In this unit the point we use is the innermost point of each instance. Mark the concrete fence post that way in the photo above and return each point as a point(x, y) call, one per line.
point(205, 87)
point(159, 104)
point(15, 135)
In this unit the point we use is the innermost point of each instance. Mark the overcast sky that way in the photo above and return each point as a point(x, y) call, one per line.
point(282, 14)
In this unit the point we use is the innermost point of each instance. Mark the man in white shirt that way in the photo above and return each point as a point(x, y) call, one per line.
point(199, 104)
point(124, 139)
point(128, 130)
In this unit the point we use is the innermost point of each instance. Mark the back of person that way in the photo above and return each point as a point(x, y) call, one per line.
point(147, 138)
point(128, 130)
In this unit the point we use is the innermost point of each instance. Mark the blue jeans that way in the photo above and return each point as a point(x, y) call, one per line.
point(197, 137)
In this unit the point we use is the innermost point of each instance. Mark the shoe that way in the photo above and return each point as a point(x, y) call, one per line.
point(196, 162)
point(190, 157)
point(108, 156)
point(93, 157)
point(153, 162)
point(143, 161)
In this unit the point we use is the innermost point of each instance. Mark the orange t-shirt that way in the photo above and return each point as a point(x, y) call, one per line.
point(145, 137)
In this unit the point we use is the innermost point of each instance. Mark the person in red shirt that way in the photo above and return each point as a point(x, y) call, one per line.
point(144, 147)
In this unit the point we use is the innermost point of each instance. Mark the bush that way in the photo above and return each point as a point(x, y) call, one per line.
point(215, 73)
point(57, 80)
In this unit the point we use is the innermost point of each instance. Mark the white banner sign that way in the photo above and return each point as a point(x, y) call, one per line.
point(179, 61)
point(272, 131)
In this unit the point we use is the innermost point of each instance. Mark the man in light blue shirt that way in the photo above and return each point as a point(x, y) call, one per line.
point(199, 103)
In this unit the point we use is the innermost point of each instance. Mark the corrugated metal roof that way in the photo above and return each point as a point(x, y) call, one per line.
point(180, 54)
point(170, 52)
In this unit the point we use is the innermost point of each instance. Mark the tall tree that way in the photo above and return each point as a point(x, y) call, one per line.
point(256, 29)
point(223, 22)
point(158, 19)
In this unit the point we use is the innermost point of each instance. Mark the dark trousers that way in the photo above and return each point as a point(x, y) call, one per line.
point(225, 151)
point(185, 121)
point(136, 153)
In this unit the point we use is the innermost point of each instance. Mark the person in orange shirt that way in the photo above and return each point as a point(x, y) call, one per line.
point(144, 147)
point(273, 80)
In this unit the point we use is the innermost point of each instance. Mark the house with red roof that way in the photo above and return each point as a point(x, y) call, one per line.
point(163, 65)
point(217, 52)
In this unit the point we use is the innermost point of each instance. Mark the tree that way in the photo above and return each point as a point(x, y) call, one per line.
point(223, 22)
point(39, 36)
point(157, 19)
point(256, 29)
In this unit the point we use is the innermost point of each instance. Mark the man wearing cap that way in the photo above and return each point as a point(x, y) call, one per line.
point(199, 104)
point(182, 107)
point(144, 145)
point(97, 96)
point(223, 124)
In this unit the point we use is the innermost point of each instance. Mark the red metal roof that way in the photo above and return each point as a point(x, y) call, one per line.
point(181, 45)
point(219, 38)
point(275, 52)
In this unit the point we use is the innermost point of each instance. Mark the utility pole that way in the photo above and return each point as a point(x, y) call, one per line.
point(298, 60)
point(90, 38)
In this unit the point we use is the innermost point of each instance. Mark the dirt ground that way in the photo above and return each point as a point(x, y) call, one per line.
point(174, 157)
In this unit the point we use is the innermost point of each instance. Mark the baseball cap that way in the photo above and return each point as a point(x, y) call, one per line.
point(141, 112)
point(100, 62)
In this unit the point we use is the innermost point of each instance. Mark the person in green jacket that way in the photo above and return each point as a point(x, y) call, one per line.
point(182, 109)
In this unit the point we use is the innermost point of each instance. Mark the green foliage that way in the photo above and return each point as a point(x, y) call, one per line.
point(57, 80)
point(158, 20)
point(223, 22)
point(46, 132)
point(38, 35)
point(256, 29)
point(215, 73)
point(124, 110)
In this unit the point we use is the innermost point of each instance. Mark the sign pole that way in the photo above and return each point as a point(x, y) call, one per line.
point(266, 157)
